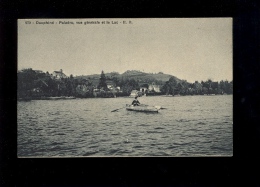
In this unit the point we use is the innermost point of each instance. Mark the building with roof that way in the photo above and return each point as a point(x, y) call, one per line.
point(143, 90)
point(134, 93)
point(58, 75)
point(154, 87)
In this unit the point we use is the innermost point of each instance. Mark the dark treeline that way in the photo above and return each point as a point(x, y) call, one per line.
point(208, 87)
point(37, 84)
point(34, 84)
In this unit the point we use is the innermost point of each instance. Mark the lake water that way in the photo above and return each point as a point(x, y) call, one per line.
point(189, 126)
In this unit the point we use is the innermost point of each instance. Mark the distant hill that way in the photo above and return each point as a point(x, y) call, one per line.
point(135, 74)
point(142, 75)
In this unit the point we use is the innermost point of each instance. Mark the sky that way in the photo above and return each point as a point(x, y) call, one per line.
point(188, 48)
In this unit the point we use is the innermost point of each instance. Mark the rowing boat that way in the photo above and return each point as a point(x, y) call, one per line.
point(143, 108)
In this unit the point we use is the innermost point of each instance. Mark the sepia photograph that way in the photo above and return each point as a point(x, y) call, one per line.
point(125, 87)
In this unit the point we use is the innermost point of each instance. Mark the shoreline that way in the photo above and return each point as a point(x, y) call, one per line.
point(72, 97)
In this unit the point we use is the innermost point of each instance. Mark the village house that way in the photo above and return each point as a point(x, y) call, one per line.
point(143, 87)
point(134, 93)
point(143, 90)
point(110, 84)
point(58, 75)
point(118, 88)
point(154, 87)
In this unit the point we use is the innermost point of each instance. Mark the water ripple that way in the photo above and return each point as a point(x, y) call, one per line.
point(195, 125)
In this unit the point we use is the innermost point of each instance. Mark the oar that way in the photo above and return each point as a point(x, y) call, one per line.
point(117, 109)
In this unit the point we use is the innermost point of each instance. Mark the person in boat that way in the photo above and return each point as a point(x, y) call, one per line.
point(136, 102)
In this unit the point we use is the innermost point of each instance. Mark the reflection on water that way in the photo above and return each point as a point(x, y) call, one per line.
point(189, 126)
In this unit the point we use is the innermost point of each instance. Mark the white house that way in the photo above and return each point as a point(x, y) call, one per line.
point(118, 88)
point(58, 74)
point(143, 89)
point(134, 93)
point(154, 87)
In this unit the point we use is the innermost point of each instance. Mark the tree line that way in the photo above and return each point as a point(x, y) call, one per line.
point(33, 84)
point(208, 87)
